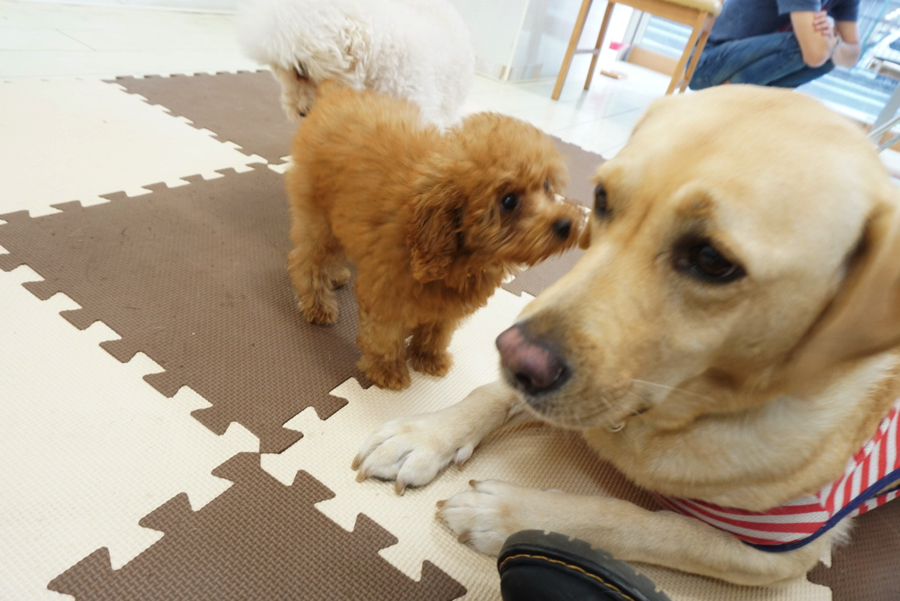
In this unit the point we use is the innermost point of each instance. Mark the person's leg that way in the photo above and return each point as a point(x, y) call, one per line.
point(707, 73)
point(785, 60)
point(806, 75)
point(757, 60)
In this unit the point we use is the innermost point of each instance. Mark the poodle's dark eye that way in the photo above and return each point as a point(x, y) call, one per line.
point(509, 202)
point(702, 261)
point(601, 206)
point(547, 185)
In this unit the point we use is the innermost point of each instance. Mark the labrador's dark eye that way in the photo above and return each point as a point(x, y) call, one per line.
point(704, 262)
point(509, 202)
point(547, 185)
point(600, 202)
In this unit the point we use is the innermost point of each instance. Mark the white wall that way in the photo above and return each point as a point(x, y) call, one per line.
point(495, 26)
point(545, 36)
point(527, 39)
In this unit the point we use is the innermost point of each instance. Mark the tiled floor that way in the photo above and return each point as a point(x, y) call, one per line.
point(39, 40)
point(51, 40)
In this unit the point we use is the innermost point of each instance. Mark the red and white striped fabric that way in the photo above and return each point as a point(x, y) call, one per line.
point(873, 468)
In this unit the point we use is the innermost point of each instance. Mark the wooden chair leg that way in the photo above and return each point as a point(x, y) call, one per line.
point(606, 17)
point(701, 44)
point(692, 42)
point(573, 43)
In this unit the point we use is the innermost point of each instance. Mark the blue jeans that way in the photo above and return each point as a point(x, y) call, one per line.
point(773, 59)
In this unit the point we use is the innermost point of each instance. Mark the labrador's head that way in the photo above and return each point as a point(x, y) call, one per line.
point(745, 239)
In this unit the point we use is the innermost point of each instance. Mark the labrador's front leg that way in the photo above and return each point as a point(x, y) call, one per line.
point(413, 450)
point(485, 516)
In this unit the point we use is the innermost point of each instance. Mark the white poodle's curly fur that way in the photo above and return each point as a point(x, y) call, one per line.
point(415, 49)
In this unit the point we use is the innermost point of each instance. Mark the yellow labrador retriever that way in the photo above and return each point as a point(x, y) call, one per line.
point(727, 342)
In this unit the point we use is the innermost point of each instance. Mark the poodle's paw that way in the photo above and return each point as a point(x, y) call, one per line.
point(383, 374)
point(340, 277)
point(413, 450)
point(319, 310)
point(487, 515)
point(435, 364)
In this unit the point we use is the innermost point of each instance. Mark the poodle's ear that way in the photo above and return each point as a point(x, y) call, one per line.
point(434, 231)
point(864, 316)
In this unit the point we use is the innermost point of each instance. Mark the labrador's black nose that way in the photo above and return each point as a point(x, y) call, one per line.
point(532, 366)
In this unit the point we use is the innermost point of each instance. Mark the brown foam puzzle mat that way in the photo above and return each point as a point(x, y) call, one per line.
point(182, 433)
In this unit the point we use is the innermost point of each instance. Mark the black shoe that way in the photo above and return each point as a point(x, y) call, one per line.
point(535, 566)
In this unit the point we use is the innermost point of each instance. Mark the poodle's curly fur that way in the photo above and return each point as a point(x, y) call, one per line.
point(433, 220)
point(415, 49)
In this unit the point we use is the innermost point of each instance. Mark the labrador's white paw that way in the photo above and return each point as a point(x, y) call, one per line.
point(413, 450)
point(485, 516)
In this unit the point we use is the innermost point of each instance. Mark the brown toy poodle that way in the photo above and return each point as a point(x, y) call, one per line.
point(434, 221)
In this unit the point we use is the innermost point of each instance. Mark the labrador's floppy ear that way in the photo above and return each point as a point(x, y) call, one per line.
point(435, 230)
point(863, 318)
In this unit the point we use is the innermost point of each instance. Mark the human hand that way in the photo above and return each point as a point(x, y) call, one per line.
point(823, 23)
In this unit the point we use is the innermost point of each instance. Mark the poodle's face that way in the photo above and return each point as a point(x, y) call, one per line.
point(496, 199)
point(298, 91)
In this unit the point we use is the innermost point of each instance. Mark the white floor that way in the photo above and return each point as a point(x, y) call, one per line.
point(42, 40)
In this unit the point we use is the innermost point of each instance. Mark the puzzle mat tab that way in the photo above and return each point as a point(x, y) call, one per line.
point(88, 448)
point(194, 277)
point(258, 540)
point(80, 139)
point(242, 108)
point(369, 511)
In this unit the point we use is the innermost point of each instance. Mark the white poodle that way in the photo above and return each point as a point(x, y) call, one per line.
point(415, 49)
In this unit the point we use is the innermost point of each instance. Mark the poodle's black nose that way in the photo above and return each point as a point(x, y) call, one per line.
point(301, 113)
point(534, 368)
point(562, 228)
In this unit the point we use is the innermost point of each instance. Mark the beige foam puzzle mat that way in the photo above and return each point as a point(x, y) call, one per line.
point(173, 428)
